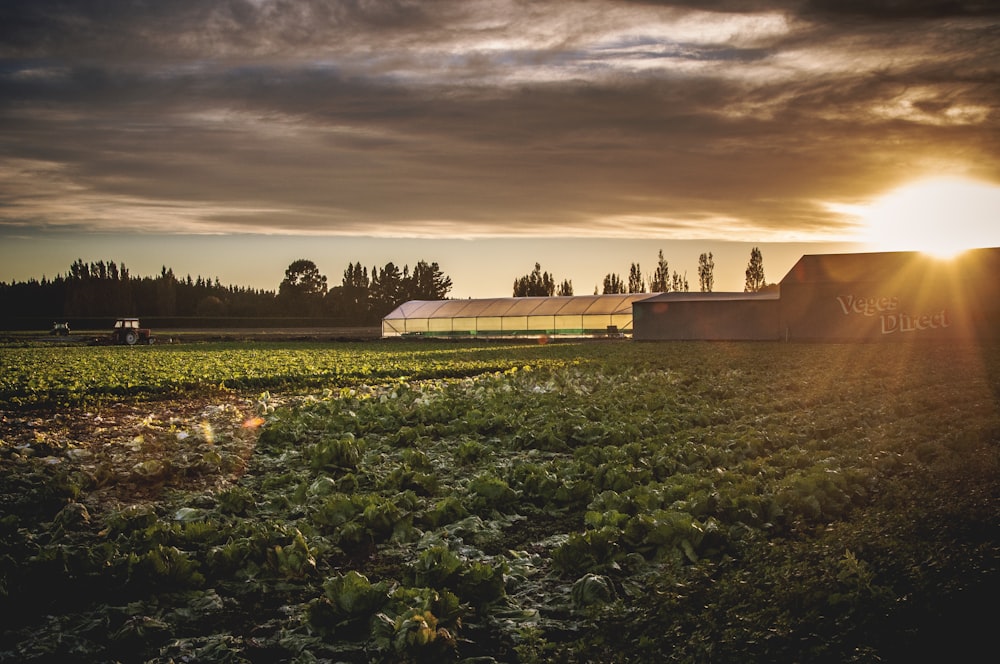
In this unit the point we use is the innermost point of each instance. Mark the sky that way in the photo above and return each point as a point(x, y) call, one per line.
point(229, 138)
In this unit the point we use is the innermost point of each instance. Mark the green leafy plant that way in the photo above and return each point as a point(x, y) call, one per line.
point(342, 453)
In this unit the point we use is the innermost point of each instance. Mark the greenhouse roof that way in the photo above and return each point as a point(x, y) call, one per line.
point(580, 305)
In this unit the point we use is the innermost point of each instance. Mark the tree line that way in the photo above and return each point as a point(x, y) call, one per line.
point(107, 289)
point(662, 280)
point(361, 295)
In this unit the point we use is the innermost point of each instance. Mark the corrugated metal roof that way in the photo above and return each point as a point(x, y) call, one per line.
point(714, 297)
point(839, 268)
point(885, 266)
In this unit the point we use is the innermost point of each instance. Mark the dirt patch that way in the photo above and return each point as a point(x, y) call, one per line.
point(129, 453)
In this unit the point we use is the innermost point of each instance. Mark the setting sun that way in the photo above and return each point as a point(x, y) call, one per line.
point(940, 216)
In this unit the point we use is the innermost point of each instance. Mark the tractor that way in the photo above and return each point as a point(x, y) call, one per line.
point(126, 332)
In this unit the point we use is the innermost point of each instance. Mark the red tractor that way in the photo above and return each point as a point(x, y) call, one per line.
point(127, 332)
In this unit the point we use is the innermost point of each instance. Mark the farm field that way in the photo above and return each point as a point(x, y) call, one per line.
point(434, 502)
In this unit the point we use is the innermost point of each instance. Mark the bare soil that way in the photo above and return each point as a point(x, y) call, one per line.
point(132, 452)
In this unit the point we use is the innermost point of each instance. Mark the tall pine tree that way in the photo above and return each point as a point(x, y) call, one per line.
point(755, 272)
point(706, 269)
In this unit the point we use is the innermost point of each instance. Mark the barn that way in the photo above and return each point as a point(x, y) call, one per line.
point(886, 296)
point(571, 316)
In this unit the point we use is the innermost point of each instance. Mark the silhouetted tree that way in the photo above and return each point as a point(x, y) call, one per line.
point(301, 291)
point(660, 281)
point(565, 288)
point(211, 305)
point(354, 292)
point(613, 284)
point(679, 282)
point(706, 269)
point(304, 277)
point(366, 300)
point(387, 289)
point(755, 272)
point(166, 293)
point(106, 289)
point(536, 284)
point(428, 282)
point(636, 284)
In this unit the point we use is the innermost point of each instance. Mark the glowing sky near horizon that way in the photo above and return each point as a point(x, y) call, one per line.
point(939, 216)
point(229, 138)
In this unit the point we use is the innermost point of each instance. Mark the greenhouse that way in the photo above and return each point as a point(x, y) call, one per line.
point(579, 316)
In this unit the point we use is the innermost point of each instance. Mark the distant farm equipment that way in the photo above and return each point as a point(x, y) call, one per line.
point(59, 330)
point(128, 332)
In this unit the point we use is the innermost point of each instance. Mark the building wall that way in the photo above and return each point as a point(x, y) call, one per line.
point(734, 320)
point(866, 311)
point(919, 298)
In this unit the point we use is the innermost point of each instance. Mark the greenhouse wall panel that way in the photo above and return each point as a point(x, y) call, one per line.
point(392, 328)
point(489, 324)
point(622, 321)
point(439, 325)
point(545, 323)
point(416, 325)
point(465, 324)
point(514, 324)
point(571, 323)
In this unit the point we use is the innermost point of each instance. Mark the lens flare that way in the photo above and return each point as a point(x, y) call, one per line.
point(939, 216)
point(253, 423)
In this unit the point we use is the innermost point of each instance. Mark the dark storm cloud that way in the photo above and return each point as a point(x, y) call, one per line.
point(615, 118)
point(895, 9)
point(148, 30)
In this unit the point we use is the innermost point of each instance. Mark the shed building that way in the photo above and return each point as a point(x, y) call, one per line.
point(708, 316)
point(580, 315)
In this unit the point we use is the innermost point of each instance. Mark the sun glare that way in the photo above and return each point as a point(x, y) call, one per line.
point(941, 216)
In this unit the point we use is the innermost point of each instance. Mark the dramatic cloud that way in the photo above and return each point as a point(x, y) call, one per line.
point(465, 118)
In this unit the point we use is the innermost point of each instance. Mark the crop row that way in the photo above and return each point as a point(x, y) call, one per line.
point(71, 376)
